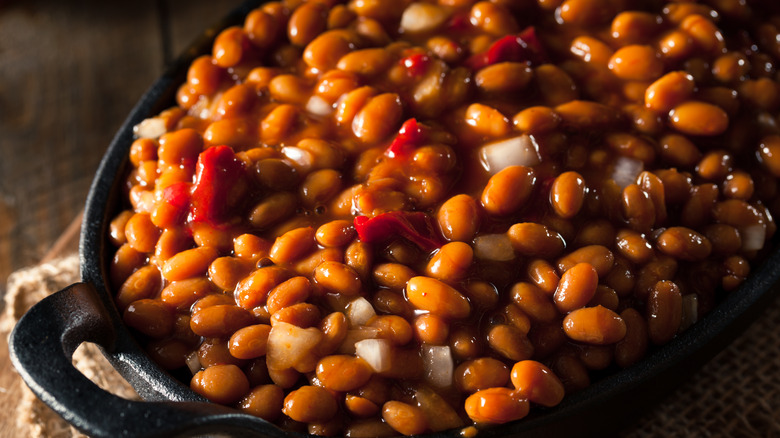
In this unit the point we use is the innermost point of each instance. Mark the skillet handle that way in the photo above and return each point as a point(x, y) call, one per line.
point(41, 346)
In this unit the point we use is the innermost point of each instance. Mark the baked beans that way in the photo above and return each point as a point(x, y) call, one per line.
point(368, 218)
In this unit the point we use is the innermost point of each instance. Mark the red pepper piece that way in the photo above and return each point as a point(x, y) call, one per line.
point(177, 196)
point(219, 180)
point(416, 227)
point(416, 64)
point(410, 136)
point(523, 47)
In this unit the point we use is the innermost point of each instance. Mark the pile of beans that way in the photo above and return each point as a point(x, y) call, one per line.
point(374, 217)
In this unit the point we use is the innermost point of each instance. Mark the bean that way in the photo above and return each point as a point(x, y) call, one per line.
point(638, 208)
point(264, 401)
point(486, 121)
point(149, 317)
point(474, 375)
point(141, 233)
point(360, 407)
point(303, 315)
point(670, 90)
point(253, 290)
point(249, 342)
point(633, 346)
point(567, 194)
point(393, 328)
point(634, 27)
point(684, 244)
point(633, 246)
point(508, 190)
point(182, 294)
point(598, 256)
point(392, 275)
point(555, 86)
point(537, 383)
point(636, 63)
point(432, 295)
point(698, 118)
point(510, 342)
point(496, 405)
point(292, 245)
point(343, 373)
point(377, 118)
point(664, 312)
point(224, 384)
point(431, 329)
point(338, 277)
point(536, 120)
point(576, 288)
point(503, 77)
point(306, 22)
point(310, 404)
point(226, 272)
point(404, 418)
point(230, 47)
point(293, 291)
point(220, 320)
point(143, 283)
point(542, 274)
point(458, 218)
point(335, 233)
point(451, 262)
point(534, 302)
point(594, 325)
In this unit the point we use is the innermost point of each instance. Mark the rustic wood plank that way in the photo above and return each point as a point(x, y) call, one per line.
point(71, 72)
point(189, 19)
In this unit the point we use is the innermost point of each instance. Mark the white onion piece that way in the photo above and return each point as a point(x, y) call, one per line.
point(422, 17)
point(318, 106)
point(494, 247)
point(289, 344)
point(376, 352)
point(359, 311)
point(153, 127)
point(753, 237)
point(437, 361)
point(516, 151)
point(690, 311)
point(301, 158)
point(428, 87)
point(193, 362)
point(354, 336)
point(626, 171)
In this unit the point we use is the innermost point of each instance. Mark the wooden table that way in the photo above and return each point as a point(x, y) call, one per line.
point(69, 74)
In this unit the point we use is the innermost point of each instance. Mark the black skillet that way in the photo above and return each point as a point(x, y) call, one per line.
point(43, 341)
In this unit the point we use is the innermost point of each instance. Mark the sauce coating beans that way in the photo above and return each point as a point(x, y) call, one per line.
point(372, 218)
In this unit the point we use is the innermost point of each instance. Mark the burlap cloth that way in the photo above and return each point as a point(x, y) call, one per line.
point(737, 394)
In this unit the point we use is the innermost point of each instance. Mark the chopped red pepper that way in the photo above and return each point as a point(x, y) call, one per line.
point(416, 64)
point(177, 196)
point(416, 227)
point(459, 22)
point(410, 136)
point(219, 178)
point(523, 47)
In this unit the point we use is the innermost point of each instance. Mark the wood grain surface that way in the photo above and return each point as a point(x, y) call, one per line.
point(69, 74)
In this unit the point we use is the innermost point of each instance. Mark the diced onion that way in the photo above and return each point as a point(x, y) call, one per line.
point(437, 361)
point(193, 362)
point(753, 237)
point(422, 17)
point(359, 311)
point(300, 157)
point(626, 171)
point(153, 127)
point(494, 247)
point(690, 311)
point(318, 106)
point(516, 151)
point(356, 335)
point(289, 344)
point(376, 352)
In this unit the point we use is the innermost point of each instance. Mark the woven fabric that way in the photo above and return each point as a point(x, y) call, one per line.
point(737, 394)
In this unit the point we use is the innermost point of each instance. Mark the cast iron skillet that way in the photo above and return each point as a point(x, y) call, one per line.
point(44, 339)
